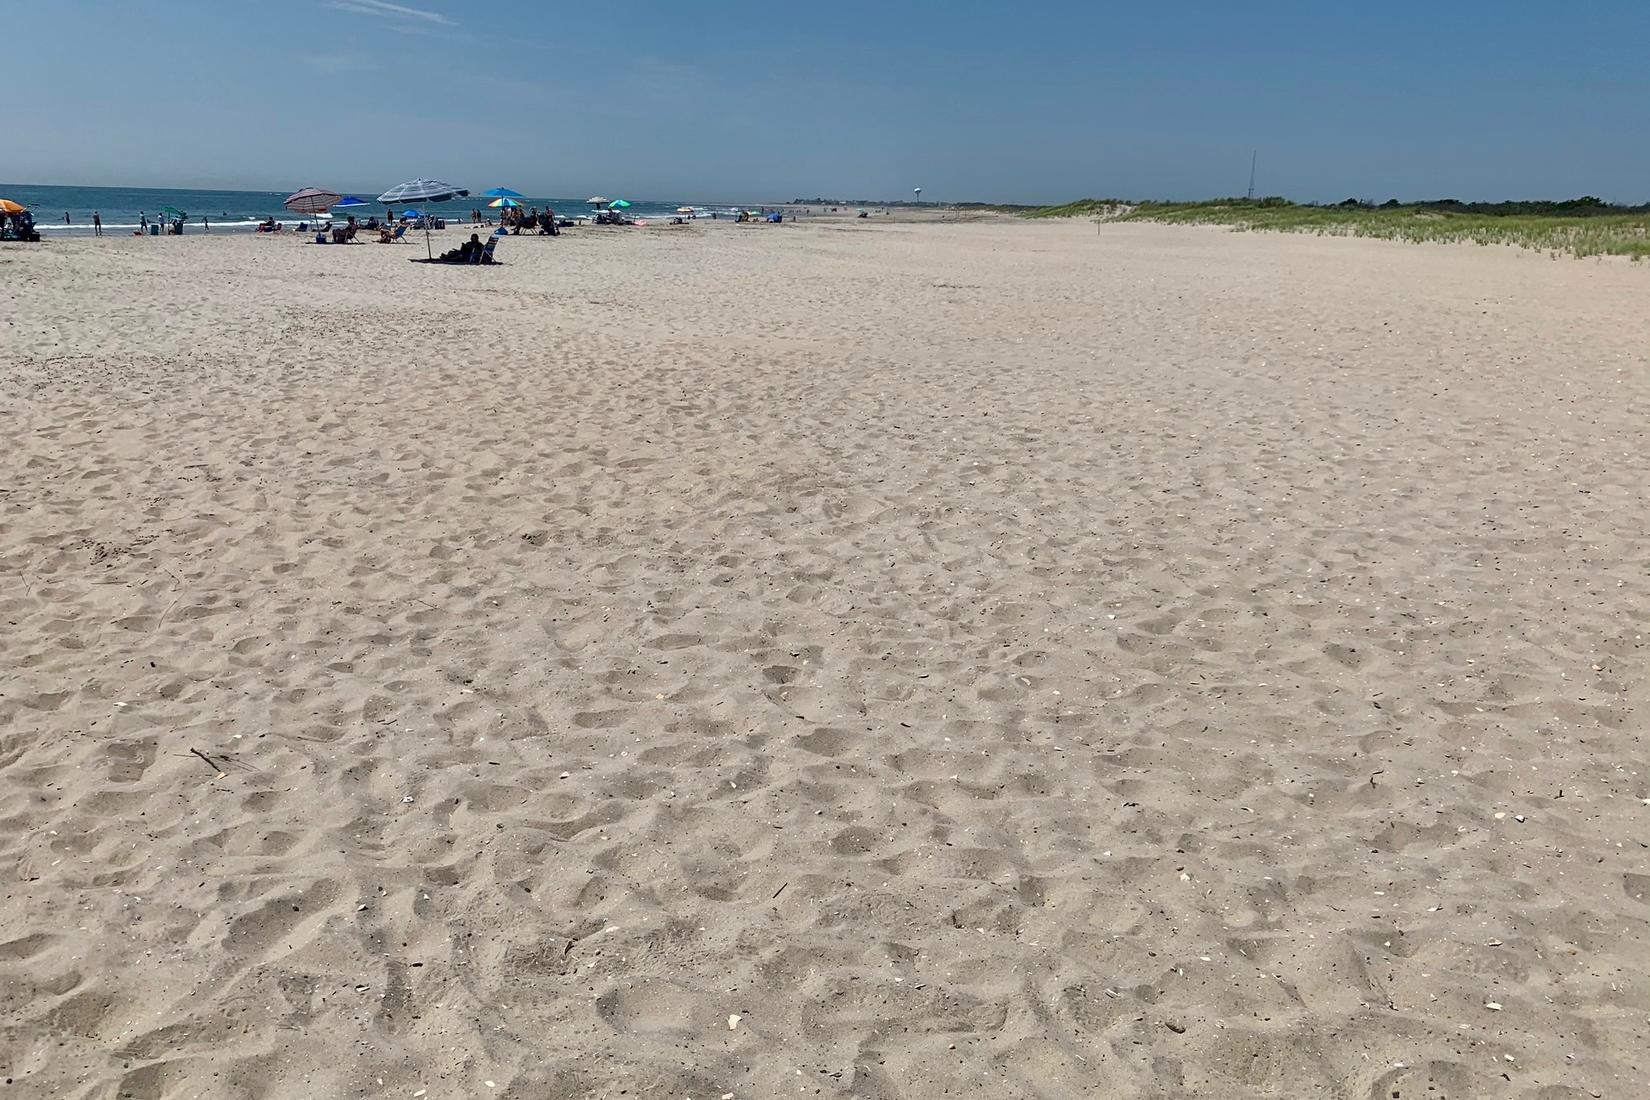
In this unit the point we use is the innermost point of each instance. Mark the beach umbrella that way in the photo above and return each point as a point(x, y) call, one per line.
point(412, 213)
point(7, 207)
point(597, 200)
point(422, 190)
point(311, 200)
point(504, 201)
point(684, 210)
point(349, 201)
point(618, 204)
point(502, 193)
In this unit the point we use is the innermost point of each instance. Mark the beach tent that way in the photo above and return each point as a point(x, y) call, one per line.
point(311, 200)
point(422, 190)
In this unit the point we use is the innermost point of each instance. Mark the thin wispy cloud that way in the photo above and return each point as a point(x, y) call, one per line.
point(398, 12)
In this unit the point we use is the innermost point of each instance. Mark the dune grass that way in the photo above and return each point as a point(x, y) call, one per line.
point(1082, 208)
point(1592, 231)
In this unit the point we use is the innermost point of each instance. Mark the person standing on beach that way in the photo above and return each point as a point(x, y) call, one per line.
point(66, 218)
point(143, 223)
point(97, 224)
point(206, 225)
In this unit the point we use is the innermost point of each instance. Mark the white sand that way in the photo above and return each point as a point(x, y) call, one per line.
point(997, 659)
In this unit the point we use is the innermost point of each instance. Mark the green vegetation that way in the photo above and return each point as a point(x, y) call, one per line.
point(1579, 227)
point(1082, 208)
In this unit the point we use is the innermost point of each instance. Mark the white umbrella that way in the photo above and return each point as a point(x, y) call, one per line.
point(597, 200)
point(312, 200)
point(422, 190)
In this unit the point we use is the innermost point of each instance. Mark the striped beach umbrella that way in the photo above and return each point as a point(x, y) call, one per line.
point(504, 201)
point(311, 200)
point(422, 190)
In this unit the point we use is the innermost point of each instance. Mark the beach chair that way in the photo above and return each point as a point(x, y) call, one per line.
point(485, 256)
point(400, 231)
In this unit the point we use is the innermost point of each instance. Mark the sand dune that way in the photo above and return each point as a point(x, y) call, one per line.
point(893, 661)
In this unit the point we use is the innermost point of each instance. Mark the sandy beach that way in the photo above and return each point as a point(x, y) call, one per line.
point(892, 661)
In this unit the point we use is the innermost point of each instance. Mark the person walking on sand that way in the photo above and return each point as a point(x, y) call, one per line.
point(205, 224)
point(97, 224)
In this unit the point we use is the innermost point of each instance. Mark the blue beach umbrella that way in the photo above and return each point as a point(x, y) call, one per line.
point(350, 200)
point(503, 193)
point(412, 213)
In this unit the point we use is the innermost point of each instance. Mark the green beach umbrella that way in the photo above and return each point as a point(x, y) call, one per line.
point(174, 211)
point(618, 204)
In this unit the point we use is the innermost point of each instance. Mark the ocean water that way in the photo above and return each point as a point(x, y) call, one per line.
point(231, 211)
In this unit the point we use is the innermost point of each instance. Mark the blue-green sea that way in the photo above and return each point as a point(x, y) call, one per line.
point(122, 208)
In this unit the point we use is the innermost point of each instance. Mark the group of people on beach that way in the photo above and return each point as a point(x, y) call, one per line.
point(18, 227)
point(516, 219)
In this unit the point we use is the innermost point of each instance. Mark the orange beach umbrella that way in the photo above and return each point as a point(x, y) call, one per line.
point(9, 207)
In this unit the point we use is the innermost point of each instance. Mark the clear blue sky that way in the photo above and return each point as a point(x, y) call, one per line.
point(971, 100)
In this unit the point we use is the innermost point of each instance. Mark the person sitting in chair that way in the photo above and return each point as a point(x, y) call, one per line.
point(467, 254)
